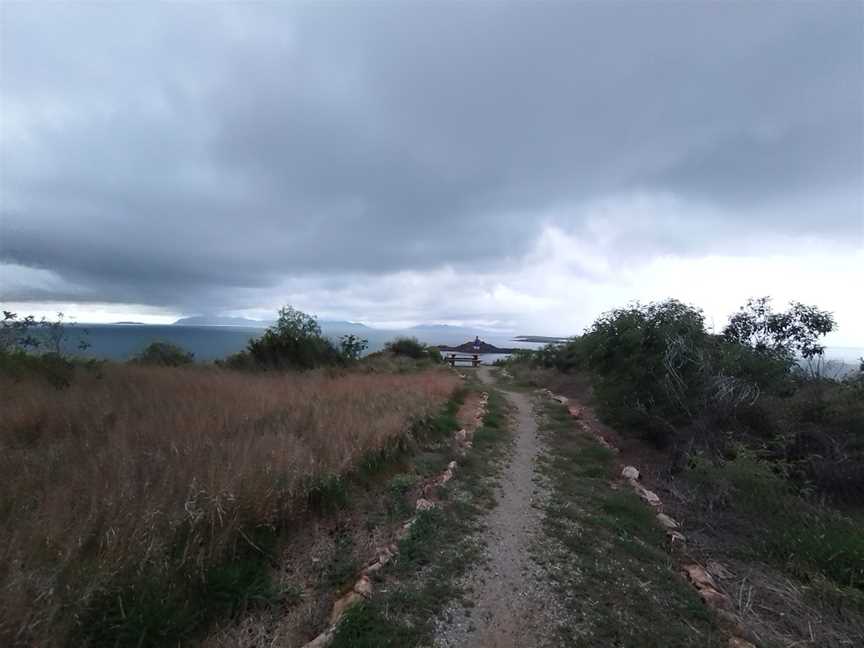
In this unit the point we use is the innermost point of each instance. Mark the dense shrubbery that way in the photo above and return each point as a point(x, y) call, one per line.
point(656, 370)
point(296, 342)
point(164, 354)
point(412, 348)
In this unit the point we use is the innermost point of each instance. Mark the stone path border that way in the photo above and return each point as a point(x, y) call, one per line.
point(699, 577)
point(362, 587)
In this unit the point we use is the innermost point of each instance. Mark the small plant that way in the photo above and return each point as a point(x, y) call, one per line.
point(352, 347)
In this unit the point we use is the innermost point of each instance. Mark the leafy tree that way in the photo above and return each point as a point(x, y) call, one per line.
point(352, 347)
point(294, 342)
point(164, 354)
point(795, 331)
point(28, 334)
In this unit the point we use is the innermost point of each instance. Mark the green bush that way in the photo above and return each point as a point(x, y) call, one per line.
point(352, 347)
point(409, 347)
point(50, 367)
point(163, 354)
point(296, 342)
point(435, 355)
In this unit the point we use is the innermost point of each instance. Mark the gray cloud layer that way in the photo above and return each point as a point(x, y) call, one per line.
point(180, 155)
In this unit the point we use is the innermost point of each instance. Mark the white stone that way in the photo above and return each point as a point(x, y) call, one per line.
point(321, 640)
point(424, 504)
point(363, 586)
point(630, 472)
point(666, 521)
point(647, 495)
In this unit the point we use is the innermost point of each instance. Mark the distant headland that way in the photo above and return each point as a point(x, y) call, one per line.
point(477, 346)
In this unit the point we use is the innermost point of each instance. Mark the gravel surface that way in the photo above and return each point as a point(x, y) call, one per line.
point(511, 601)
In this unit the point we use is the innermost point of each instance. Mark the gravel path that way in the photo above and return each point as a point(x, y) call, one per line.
point(513, 604)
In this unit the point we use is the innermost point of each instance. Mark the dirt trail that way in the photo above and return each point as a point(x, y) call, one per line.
point(513, 604)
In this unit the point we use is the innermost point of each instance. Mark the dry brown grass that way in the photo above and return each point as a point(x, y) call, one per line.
point(101, 477)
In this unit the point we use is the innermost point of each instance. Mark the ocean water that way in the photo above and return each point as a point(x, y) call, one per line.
point(122, 341)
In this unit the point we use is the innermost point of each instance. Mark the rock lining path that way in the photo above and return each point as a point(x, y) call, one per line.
point(513, 605)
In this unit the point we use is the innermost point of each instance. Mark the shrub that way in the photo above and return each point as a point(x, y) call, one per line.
point(794, 332)
point(42, 335)
point(407, 346)
point(626, 352)
point(294, 342)
point(50, 367)
point(164, 354)
point(435, 355)
point(352, 347)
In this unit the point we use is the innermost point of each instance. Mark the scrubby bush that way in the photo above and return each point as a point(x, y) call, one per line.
point(407, 346)
point(296, 342)
point(655, 370)
point(31, 348)
point(435, 355)
point(352, 347)
point(164, 354)
point(50, 367)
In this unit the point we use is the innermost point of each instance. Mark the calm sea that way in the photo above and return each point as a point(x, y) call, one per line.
point(122, 341)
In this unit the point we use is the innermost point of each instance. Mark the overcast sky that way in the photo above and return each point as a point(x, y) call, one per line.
point(523, 166)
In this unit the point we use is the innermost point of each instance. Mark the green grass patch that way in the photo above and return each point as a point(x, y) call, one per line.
point(809, 541)
point(609, 563)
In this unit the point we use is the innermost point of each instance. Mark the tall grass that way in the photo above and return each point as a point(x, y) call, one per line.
point(139, 472)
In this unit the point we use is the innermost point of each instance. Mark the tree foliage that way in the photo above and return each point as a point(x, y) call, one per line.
point(793, 332)
point(296, 341)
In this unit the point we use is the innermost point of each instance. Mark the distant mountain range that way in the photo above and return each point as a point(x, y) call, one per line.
point(245, 322)
point(211, 320)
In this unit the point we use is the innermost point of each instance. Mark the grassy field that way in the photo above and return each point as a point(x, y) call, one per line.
point(136, 493)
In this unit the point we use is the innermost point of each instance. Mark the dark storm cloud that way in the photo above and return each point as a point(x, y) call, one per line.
point(178, 154)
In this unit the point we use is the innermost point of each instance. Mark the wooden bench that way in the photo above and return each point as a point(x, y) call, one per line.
point(454, 359)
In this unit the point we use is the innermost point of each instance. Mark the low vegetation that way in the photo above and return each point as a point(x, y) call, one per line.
point(140, 500)
point(608, 556)
point(410, 347)
point(758, 447)
point(163, 354)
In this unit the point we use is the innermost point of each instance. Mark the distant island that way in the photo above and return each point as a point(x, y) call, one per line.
point(210, 320)
point(477, 346)
point(540, 338)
